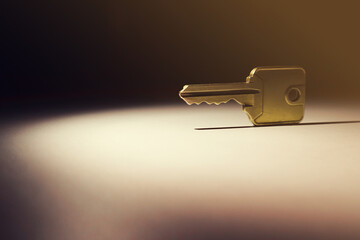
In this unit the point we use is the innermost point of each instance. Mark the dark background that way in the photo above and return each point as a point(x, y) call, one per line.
point(61, 53)
point(92, 51)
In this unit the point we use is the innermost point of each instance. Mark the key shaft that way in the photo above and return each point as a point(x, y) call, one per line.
point(217, 93)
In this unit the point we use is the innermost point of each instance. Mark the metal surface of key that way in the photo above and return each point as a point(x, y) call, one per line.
point(269, 96)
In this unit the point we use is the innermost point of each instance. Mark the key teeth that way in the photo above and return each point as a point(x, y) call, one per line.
point(210, 103)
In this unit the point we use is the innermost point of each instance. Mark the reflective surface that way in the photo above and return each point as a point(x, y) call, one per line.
point(145, 173)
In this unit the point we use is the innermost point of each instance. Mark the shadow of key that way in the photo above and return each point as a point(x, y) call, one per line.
point(299, 124)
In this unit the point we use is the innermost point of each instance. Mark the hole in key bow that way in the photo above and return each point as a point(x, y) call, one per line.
point(293, 95)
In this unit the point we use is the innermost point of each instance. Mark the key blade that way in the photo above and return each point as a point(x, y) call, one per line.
point(219, 93)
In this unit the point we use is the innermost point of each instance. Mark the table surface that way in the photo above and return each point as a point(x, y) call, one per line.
point(146, 173)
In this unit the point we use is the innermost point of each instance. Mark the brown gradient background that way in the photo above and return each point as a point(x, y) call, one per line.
point(144, 51)
point(56, 54)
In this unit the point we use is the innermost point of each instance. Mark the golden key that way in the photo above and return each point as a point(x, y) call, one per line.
point(269, 96)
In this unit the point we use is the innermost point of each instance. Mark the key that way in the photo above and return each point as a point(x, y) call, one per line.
point(269, 95)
